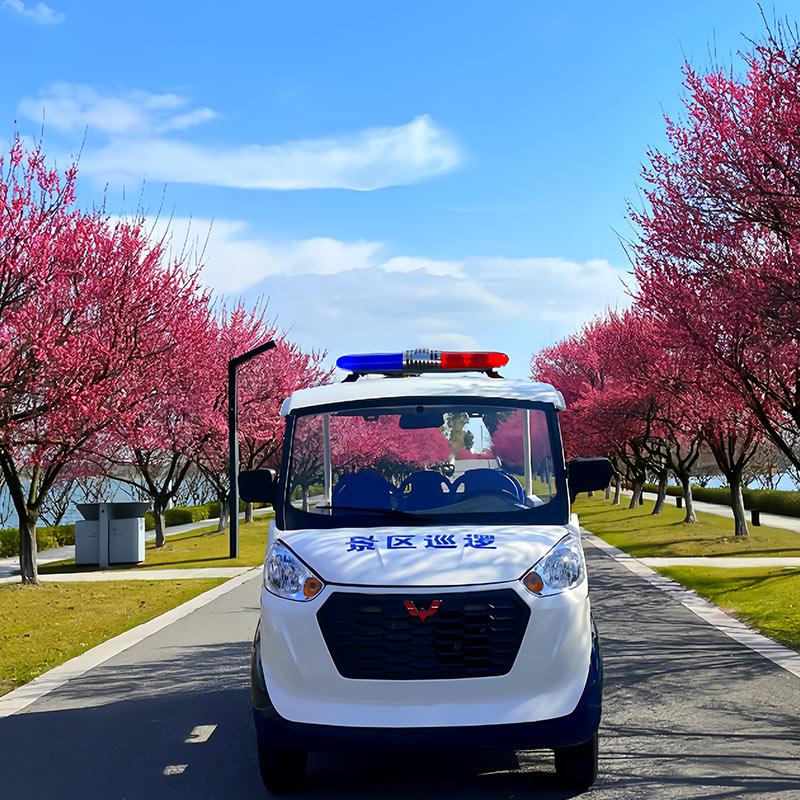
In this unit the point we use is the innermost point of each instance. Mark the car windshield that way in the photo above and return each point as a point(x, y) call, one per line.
point(431, 464)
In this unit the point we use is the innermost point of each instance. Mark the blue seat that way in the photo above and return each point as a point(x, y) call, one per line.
point(425, 489)
point(363, 490)
point(489, 480)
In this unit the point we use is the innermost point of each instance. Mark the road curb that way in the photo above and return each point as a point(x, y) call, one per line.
point(18, 699)
point(779, 655)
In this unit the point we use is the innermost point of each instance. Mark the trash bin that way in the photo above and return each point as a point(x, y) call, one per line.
point(110, 533)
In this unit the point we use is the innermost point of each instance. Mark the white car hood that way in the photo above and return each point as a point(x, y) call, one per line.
point(441, 555)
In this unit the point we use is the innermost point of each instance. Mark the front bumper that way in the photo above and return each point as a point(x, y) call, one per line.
point(276, 733)
point(545, 682)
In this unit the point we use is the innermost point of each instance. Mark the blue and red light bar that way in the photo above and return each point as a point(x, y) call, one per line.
point(416, 361)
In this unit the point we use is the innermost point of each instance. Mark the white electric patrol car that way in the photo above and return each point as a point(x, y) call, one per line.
point(424, 580)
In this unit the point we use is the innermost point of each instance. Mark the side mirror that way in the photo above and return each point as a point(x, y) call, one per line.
point(588, 475)
point(258, 485)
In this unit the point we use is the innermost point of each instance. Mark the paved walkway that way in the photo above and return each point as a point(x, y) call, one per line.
point(729, 562)
point(137, 575)
point(9, 567)
point(773, 520)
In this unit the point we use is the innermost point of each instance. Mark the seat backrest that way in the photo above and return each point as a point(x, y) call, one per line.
point(489, 480)
point(363, 490)
point(425, 489)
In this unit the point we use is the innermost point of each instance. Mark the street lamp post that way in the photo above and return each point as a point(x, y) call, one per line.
point(233, 439)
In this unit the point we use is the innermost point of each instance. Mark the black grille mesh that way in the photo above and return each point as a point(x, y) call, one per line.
point(471, 635)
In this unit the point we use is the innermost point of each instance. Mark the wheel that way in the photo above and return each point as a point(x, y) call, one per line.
point(577, 766)
point(282, 773)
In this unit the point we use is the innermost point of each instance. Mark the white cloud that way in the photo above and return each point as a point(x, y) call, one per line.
point(235, 260)
point(369, 310)
point(407, 264)
point(183, 121)
point(447, 341)
point(136, 125)
point(371, 159)
point(74, 107)
point(347, 296)
point(562, 291)
point(40, 13)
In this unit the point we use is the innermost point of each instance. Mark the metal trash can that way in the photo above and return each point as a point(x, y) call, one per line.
point(110, 533)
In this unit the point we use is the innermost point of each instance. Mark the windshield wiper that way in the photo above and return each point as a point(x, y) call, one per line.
point(383, 512)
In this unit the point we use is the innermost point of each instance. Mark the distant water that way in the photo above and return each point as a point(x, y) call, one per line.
point(117, 491)
point(120, 492)
point(784, 484)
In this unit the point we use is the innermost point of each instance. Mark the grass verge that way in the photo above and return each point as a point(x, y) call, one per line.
point(46, 625)
point(638, 532)
point(202, 548)
point(765, 599)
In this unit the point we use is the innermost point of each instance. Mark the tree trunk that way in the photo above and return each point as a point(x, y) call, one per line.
point(305, 497)
point(737, 504)
point(617, 490)
point(637, 493)
point(248, 512)
point(27, 550)
point(160, 522)
point(224, 514)
point(662, 493)
point(687, 496)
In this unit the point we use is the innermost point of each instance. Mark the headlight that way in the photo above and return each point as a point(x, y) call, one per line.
point(286, 576)
point(562, 568)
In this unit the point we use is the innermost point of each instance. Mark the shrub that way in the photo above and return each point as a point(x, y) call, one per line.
point(721, 496)
point(181, 515)
point(47, 537)
point(213, 508)
point(672, 491)
point(773, 501)
point(9, 542)
point(770, 501)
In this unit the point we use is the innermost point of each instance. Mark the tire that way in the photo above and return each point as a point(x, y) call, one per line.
point(577, 766)
point(282, 773)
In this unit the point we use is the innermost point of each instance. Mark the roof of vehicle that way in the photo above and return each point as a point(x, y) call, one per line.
point(445, 386)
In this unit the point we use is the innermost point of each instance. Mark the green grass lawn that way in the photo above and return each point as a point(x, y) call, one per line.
point(195, 549)
point(638, 532)
point(766, 599)
point(46, 625)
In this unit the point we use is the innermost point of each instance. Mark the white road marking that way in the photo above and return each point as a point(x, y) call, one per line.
point(175, 769)
point(202, 733)
point(15, 701)
point(778, 654)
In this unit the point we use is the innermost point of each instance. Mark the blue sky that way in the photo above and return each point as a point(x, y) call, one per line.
point(389, 175)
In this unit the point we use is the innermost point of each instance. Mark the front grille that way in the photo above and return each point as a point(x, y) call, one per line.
point(471, 634)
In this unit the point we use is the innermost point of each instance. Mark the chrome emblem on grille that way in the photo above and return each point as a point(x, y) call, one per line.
point(421, 612)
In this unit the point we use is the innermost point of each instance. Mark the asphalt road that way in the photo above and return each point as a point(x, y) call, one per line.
point(689, 713)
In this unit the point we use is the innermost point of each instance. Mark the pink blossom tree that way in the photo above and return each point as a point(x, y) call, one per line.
point(154, 451)
point(87, 318)
point(264, 384)
point(719, 249)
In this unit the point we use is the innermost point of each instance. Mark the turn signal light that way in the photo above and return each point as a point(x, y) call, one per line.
point(533, 582)
point(311, 587)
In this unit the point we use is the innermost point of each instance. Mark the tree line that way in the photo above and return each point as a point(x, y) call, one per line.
point(706, 360)
point(113, 356)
